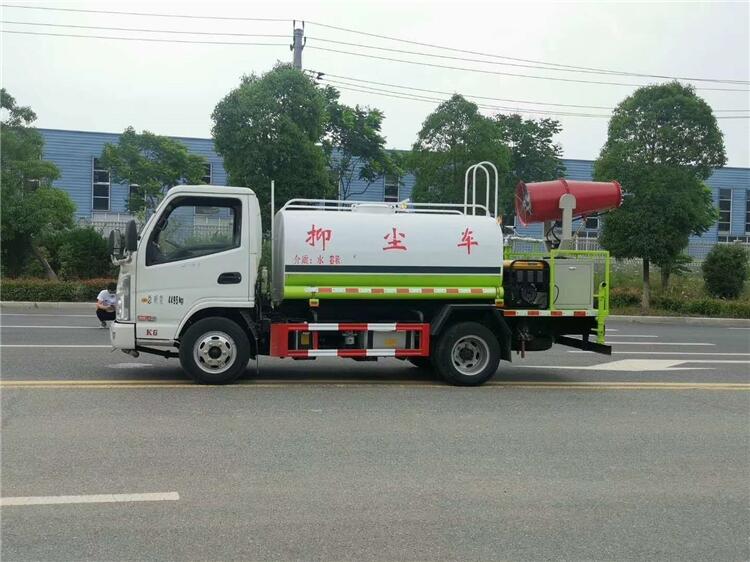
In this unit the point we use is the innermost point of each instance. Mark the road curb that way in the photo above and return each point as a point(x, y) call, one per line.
point(684, 320)
point(27, 305)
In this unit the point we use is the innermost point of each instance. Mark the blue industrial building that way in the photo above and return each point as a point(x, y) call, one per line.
point(98, 199)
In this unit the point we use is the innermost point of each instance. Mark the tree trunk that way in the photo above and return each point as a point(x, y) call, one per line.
point(646, 297)
point(51, 275)
point(665, 274)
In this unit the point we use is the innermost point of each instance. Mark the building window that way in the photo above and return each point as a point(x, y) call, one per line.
point(206, 174)
point(100, 188)
point(747, 213)
point(725, 209)
point(391, 188)
point(592, 223)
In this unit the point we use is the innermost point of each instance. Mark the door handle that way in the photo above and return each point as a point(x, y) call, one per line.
point(229, 278)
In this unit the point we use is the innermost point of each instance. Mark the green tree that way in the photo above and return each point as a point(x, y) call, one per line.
point(150, 164)
point(270, 128)
point(725, 270)
point(83, 253)
point(533, 154)
point(452, 138)
point(31, 209)
point(663, 142)
point(353, 145)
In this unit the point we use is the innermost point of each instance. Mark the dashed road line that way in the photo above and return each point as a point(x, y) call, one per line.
point(55, 346)
point(648, 352)
point(54, 327)
point(95, 498)
point(47, 315)
point(661, 343)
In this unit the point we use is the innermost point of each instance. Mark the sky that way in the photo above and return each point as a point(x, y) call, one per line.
point(171, 88)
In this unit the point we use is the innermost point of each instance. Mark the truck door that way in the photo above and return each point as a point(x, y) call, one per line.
point(195, 255)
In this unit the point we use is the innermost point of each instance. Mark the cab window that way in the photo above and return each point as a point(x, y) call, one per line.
point(186, 230)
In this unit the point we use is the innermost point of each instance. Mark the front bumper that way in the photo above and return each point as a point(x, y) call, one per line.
point(122, 335)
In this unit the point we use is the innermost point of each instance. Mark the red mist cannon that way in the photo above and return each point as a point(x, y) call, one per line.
point(563, 200)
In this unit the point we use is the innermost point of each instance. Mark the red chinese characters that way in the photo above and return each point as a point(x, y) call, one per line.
point(394, 240)
point(467, 240)
point(320, 234)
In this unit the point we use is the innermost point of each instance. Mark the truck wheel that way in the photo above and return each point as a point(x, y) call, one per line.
point(214, 351)
point(468, 354)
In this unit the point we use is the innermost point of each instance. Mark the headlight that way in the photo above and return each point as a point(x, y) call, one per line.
point(123, 298)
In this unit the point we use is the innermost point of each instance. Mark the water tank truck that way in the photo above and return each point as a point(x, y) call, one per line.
point(432, 284)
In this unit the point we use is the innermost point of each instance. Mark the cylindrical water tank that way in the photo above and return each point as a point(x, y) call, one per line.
point(372, 251)
point(540, 201)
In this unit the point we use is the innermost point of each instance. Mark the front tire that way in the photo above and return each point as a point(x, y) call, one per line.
point(214, 351)
point(468, 354)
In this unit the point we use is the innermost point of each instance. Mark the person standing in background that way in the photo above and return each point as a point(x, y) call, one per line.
point(105, 304)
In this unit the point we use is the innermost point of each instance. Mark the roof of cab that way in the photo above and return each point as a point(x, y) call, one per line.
point(211, 190)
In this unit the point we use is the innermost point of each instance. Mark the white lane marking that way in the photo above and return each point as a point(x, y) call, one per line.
point(711, 353)
point(631, 336)
point(56, 327)
point(624, 365)
point(64, 315)
point(660, 343)
point(98, 498)
point(637, 365)
point(129, 365)
point(50, 345)
point(739, 328)
point(712, 361)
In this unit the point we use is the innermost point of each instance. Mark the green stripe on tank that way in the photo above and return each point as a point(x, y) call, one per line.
point(394, 280)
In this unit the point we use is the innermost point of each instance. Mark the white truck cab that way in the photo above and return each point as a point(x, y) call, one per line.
point(200, 250)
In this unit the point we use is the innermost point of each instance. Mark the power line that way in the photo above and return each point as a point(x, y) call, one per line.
point(519, 65)
point(416, 97)
point(210, 33)
point(149, 39)
point(151, 14)
point(533, 61)
point(496, 72)
point(386, 37)
point(326, 75)
point(339, 83)
point(398, 95)
point(146, 30)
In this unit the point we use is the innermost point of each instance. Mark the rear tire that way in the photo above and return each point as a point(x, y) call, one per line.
point(468, 354)
point(214, 351)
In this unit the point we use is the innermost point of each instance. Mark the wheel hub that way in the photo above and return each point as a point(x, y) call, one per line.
point(470, 355)
point(215, 352)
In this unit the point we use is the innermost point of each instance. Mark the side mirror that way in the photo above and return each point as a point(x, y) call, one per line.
point(114, 243)
point(131, 237)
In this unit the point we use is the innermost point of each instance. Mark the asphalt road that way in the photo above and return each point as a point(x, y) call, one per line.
point(333, 460)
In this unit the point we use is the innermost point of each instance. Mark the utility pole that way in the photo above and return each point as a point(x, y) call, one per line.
point(298, 44)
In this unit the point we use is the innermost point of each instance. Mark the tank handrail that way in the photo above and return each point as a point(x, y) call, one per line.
point(473, 169)
point(401, 207)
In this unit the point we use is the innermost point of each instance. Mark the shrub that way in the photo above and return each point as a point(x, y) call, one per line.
point(624, 296)
point(703, 307)
point(725, 270)
point(41, 290)
point(83, 253)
